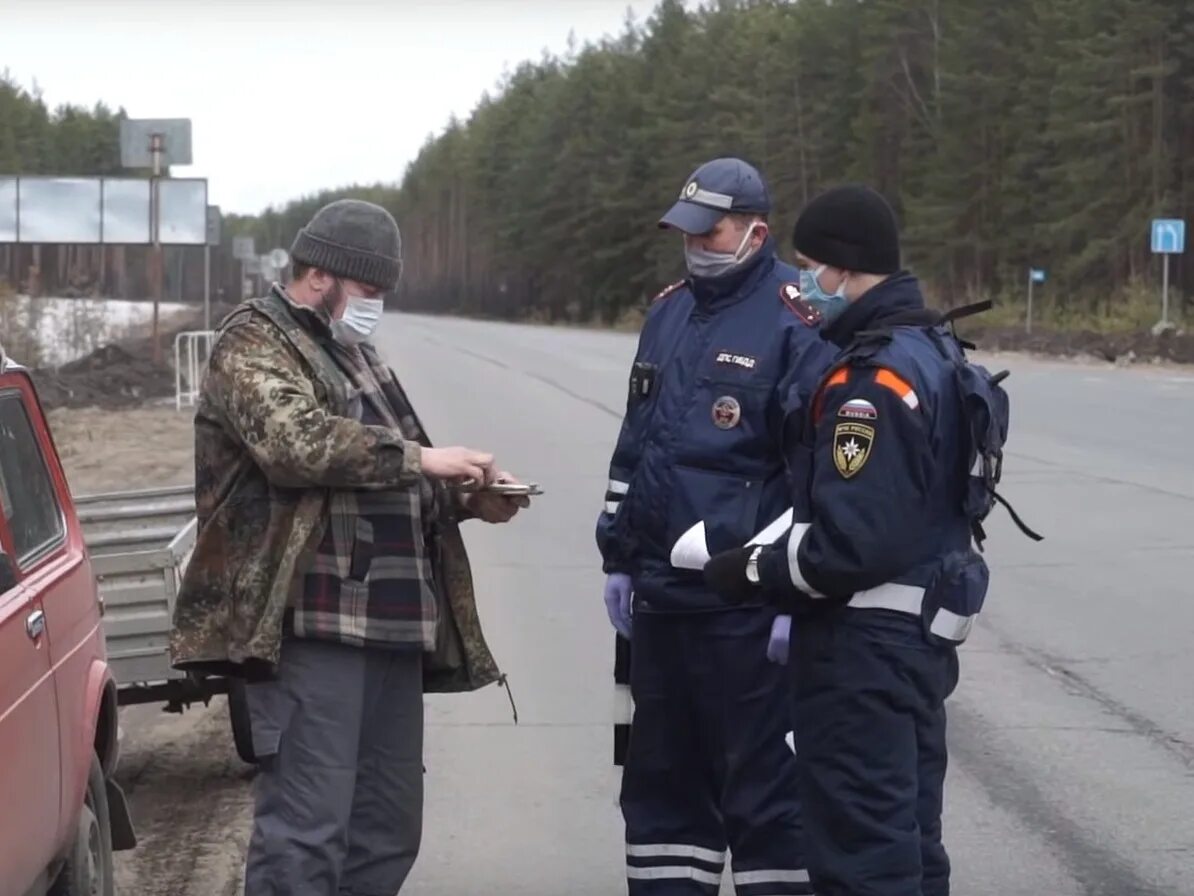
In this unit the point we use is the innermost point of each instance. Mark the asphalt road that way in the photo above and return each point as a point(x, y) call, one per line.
point(1072, 731)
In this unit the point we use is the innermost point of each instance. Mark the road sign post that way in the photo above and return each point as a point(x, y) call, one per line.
point(1035, 275)
point(213, 239)
point(1168, 238)
point(243, 249)
point(278, 259)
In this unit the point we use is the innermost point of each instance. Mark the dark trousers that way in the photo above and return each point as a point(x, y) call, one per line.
point(869, 717)
point(339, 796)
point(707, 765)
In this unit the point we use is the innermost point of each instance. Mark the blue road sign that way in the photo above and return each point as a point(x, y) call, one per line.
point(1169, 236)
point(1037, 274)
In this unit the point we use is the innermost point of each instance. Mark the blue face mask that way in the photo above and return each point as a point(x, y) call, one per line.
point(830, 305)
point(709, 264)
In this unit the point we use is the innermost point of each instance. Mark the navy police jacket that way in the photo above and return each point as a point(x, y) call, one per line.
point(702, 438)
point(880, 519)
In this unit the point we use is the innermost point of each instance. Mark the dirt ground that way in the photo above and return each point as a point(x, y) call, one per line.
point(191, 800)
point(1116, 348)
point(116, 450)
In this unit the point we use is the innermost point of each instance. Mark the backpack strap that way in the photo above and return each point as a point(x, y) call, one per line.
point(956, 314)
point(1020, 524)
point(951, 317)
point(918, 317)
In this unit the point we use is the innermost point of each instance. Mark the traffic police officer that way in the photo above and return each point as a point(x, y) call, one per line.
point(699, 467)
point(905, 437)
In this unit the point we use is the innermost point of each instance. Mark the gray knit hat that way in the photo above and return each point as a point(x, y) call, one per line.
point(352, 239)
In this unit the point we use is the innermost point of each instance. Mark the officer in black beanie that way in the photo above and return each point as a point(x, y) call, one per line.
point(878, 572)
point(847, 242)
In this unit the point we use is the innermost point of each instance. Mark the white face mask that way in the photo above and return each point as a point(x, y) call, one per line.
point(359, 322)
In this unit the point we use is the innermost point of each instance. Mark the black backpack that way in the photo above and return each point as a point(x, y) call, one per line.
point(986, 410)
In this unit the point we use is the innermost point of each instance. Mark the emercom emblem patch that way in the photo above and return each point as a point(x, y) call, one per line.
point(852, 443)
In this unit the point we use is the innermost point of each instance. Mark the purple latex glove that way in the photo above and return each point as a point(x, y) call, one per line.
point(617, 602)
point(777, 644)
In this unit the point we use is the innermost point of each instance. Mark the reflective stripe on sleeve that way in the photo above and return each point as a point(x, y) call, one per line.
point(794, 539)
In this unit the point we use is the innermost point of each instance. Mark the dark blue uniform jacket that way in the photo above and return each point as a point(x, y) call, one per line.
point(703, 436)
point(883, 439)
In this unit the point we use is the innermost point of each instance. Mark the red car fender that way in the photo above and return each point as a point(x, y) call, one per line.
point(100, 732)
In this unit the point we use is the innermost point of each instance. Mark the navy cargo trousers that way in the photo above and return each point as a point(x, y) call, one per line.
point(708, 768)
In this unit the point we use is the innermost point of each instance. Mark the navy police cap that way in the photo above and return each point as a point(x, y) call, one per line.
point(716, 189)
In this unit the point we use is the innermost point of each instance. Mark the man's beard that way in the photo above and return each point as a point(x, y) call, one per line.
point(333, 300)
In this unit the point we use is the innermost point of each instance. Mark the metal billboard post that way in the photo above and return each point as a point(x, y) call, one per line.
point(169, 142)
point(158, 268)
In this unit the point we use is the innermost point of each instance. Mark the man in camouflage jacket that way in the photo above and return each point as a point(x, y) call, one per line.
point(328, 569)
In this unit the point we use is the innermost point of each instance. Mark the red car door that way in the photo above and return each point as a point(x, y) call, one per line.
point(29, 757)
point(54, 565)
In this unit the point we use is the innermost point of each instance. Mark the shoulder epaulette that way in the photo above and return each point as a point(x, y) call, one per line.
point(790, 294)
point(238, 315)
point(667, 291)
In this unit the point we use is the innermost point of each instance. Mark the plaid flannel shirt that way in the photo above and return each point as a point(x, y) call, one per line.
point(370, 583)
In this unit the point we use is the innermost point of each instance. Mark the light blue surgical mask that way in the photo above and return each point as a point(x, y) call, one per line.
point(829, 304)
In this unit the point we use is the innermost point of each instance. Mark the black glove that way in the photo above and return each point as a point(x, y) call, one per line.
point(725, 573)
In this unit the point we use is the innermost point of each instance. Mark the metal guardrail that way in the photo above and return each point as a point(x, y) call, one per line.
point(191, 351)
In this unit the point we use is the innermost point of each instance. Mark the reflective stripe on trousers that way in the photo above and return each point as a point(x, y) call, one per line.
point(688, 862)
point(674, 861)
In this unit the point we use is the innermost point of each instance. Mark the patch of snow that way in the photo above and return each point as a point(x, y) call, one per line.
point(66, 329)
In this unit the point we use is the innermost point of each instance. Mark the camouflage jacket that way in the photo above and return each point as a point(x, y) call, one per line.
point(273, 442)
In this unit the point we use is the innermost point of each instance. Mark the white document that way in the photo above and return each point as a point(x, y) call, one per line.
point(691, 551)
point(772, 532)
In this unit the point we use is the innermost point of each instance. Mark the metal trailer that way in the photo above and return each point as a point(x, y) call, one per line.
point(140, 542)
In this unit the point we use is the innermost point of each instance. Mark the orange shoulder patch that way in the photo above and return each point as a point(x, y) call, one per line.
point(840, 377)
point(897, 384)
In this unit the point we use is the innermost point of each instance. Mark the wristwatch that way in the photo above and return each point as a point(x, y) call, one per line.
point(752, 565)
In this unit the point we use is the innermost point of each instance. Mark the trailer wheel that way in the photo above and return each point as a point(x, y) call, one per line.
point(242, 730)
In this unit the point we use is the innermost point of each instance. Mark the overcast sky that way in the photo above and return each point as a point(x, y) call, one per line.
point(287, 98)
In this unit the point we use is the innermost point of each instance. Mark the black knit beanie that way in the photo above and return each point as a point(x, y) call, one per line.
point(355, 240)
point(849, 227)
